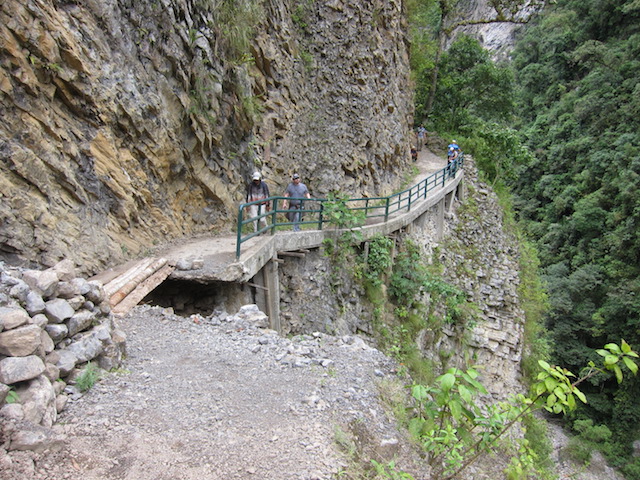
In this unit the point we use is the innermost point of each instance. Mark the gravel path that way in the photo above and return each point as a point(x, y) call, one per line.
point(222, 398)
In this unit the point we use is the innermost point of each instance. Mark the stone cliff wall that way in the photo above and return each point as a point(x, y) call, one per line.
point(497, 37)
point(127, 124)
point(481, 258)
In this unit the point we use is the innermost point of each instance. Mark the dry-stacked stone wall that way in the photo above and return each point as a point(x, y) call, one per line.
point(51, 324)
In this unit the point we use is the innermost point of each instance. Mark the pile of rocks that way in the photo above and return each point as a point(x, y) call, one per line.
point(51, 324)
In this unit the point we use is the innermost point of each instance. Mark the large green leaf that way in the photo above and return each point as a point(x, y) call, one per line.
point(419, 392)
point(447, 381)
point(465, 393)
point(456, 409)
point(631, 365)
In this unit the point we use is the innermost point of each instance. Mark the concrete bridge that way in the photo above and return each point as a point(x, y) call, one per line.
point(213, 259)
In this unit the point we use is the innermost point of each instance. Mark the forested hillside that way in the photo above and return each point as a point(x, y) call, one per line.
point(577, 71)
point(559, 125)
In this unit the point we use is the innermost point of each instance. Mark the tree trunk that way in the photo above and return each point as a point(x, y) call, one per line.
point(434, 75)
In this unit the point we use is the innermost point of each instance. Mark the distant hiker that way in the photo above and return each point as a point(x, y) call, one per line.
point(414, 154)
point(421, 134)
point(258, 190)
point(453, 150)
point(296, 191)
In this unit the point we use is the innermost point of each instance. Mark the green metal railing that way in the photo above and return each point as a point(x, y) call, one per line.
point(377, 208)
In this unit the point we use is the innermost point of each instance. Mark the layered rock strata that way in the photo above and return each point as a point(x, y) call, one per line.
point(127, 124)
point(481, 258)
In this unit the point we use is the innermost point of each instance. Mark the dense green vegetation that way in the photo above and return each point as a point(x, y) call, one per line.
point(560, 127)
point(578, 92)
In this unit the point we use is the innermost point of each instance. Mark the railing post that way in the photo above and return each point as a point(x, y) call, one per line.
point(274, 216)
point(320, 217)
point(239, 229)
point(386, 210)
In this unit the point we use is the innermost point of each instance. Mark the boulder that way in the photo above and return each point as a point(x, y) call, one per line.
point(252, 314)
point(38, 401)
point(96, 293)
point(66, 361)
point(65, 270)
point(13, 317)
point(58, 310)
point(46, 342)
point(91, 344)
point(52, 372)
point(80, 321)
point(45, 282)
point(61, 402)
point(19, 369)
point(57, 331)
point(12, 411)
point(36, 439)
point(40, 320)
point(20, 342)
point(34, 303)
point(77, 302)
point(20, 291)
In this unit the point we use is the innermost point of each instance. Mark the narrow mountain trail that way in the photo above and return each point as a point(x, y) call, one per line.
point(224, 397)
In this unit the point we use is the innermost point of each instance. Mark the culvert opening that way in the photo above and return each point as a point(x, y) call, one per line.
point(189, 298)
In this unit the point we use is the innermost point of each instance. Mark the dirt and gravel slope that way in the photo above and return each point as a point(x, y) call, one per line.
point(222, 398)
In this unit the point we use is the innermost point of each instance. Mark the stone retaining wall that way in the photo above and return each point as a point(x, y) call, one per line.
point(51, 324)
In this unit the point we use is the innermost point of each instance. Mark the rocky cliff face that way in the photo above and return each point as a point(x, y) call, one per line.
point(481, 258)
point(126, 124)
point(497, 37)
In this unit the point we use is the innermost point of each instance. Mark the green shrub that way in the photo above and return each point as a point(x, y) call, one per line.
point(631, 470)
point(592, 433)
point(89, 376)
point(590, 437)
point(578, 450)
point(378, 260)
point(338, 214)
point(239, 21)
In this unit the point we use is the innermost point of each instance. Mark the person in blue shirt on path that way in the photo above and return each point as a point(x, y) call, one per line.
point(421, 136)
point(296, 191)
point(453, 150)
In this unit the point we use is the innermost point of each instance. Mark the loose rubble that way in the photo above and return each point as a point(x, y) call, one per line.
point(223, 397)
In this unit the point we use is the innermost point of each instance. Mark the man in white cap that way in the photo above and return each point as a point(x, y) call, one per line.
point(258, 190)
